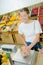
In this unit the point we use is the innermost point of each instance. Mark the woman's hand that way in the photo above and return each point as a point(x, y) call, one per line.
point(25, 45)
point(41, 51)
point(28, 48)
point(25, 51)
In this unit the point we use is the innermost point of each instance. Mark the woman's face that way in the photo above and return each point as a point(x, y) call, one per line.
point(24, 16)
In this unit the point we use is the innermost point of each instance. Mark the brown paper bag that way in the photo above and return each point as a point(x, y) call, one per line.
point(39, 59)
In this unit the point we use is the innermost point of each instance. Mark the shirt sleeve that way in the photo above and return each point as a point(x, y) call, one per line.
point(37, 27)
point(20, 29)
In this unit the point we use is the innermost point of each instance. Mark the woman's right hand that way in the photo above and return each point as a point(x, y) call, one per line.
point(25, 45)
point(24, 51)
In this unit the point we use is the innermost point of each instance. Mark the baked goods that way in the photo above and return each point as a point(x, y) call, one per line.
point(4, 60)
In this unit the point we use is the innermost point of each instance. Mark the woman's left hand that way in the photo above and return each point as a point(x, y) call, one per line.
point(25, 51)
point(41, 51)
point(28, 49)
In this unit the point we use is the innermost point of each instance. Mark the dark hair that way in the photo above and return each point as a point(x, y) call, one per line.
point(25, 9)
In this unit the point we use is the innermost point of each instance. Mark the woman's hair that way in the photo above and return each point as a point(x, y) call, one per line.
point(25, 9)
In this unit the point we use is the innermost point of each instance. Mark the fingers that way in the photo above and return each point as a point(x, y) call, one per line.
point(41, 51)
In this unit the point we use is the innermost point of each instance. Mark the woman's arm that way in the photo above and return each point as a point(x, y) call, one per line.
point(34, 41)
point(22, 38)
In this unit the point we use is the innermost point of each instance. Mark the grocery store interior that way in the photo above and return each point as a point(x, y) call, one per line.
point(10, 41)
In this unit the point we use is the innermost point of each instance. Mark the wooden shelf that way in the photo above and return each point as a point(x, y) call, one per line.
point(14, 32)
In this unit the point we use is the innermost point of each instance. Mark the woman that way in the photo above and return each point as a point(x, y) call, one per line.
point(30, 29)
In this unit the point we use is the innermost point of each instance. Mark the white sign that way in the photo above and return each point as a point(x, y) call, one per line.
point(12, 5)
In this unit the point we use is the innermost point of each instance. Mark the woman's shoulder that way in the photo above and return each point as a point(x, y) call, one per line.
point(36, 21)
point(21, 24)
